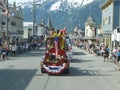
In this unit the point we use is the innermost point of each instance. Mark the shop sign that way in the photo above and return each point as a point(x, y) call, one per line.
point(107, 32)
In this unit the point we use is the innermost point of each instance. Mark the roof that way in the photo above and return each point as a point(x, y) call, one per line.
point(106, 4)
point(90, 20)
point(28, 23)
point(17, 11)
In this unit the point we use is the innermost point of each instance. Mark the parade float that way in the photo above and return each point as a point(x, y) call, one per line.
point(55, 60)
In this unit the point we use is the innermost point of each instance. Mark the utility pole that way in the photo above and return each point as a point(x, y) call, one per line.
point(7, 12)
point(33, 16)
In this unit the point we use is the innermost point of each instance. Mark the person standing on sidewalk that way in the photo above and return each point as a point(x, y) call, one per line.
point(97, 50)
point(3, 55)
point(106, 54)
point(0, 52)
point(119, 47)
point(14, 50)
point(118, 57)
point(102, 48)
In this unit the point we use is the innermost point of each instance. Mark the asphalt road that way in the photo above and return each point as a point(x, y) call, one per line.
point(87, 72)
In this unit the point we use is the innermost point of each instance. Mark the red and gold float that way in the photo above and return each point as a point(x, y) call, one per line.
point(55, 60)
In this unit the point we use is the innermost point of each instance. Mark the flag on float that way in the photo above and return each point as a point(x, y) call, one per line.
point(56, 46)
point(63, 31)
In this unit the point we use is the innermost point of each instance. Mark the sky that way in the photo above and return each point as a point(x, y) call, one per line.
point(17, 1)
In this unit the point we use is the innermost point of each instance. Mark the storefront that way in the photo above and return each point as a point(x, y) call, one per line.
point(107, 40)
point(116, 38)
point(111, 20)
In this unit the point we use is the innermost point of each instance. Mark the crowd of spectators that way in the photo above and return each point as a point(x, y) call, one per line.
point(100, 50)
point(14, 50)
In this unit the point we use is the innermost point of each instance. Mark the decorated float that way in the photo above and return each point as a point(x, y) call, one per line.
point(55, 60)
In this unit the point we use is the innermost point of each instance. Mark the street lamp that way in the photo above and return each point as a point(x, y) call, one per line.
point(7, 22)
point(34, 16)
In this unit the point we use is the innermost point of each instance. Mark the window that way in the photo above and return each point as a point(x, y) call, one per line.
point(103, 22)
point(109, 18)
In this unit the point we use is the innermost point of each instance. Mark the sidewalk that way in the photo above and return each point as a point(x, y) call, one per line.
point(18, 55)
point(100, 58)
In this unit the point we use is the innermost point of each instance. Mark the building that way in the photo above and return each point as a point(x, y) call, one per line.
point(16, 24)
point(110, 20)
point(11, 28)
point(2, 21)
point(75, 33)
point(30, 35)
point(27, 31)
point(99, 30)
point(49, 26)
point(41, 30)
point(90, 27)
point(99, 34)
point(90, 30)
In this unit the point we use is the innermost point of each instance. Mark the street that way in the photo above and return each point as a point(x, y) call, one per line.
point(87, 72)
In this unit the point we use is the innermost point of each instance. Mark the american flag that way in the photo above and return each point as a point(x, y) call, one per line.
point(5, 13)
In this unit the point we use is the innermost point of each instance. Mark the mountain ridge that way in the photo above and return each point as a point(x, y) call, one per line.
point(66, 15)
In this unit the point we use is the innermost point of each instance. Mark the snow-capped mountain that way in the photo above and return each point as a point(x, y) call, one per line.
point(70, 4)
point(63, 13)
point(56, 4)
